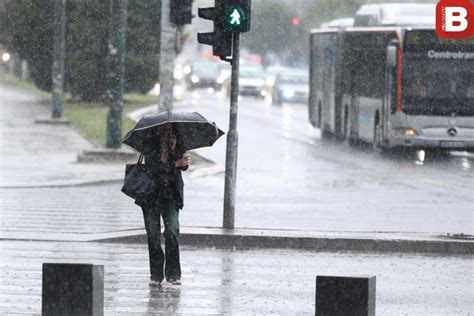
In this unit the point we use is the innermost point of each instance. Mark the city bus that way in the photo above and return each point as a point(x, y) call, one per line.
point(392, 86)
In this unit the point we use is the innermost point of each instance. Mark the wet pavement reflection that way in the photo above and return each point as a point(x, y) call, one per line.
point(164, 298)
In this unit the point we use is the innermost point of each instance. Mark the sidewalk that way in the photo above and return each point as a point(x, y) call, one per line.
point(238, 282)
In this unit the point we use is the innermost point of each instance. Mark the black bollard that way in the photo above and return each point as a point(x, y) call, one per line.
point(338, 295)
point(73, 289)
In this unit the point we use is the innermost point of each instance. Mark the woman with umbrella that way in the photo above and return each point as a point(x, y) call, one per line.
point(165, 163)
point(163, 139)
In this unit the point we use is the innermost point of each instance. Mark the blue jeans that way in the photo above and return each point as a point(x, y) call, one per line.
point(168, 209)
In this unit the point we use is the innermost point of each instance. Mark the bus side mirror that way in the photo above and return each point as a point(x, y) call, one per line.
point(392, 52)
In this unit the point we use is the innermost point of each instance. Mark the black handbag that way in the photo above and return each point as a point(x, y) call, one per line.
point(137, 183)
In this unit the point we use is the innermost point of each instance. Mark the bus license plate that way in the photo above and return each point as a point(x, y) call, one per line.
point(451, 144)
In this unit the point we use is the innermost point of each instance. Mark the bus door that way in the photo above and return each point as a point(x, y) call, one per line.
point(390, 94)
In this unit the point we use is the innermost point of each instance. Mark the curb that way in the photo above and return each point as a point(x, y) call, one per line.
point(102, 154)
point(330, 244)
point(48, 120)
point(414, 243)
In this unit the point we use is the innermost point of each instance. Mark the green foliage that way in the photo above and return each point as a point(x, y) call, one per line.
point(30, 31)
point(30, 28)
point(143, 45)
point(87, 31)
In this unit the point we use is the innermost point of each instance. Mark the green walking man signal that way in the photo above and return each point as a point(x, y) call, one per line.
point(229, 16)
point(237, 19)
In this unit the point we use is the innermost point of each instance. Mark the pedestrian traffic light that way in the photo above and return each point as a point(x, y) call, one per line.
point(181, 12)
point(229, 16)
point(220, 39)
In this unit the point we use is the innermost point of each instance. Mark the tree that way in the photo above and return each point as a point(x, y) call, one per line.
point(30, 30)
point(87, 31)
point(143, 45)
point(30, 27)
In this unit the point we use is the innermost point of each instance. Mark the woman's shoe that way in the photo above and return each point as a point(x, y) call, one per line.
point(174, 281)
point(154, 283)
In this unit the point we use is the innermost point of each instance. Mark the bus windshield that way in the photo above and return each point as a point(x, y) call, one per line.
point(438, 80)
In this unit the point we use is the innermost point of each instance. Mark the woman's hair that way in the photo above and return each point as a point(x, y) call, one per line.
point(179, 139)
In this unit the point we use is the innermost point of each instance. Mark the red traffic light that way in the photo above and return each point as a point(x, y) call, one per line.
point(296, 21)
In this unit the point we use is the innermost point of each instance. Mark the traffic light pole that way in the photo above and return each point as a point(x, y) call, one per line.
point(232, 139)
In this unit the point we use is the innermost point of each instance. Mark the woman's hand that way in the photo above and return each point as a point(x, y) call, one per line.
point(184, 161)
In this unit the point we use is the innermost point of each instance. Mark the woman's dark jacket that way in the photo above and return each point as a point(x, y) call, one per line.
point(170, 183)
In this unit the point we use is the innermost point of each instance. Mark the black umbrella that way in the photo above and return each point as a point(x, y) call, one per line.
point(194, 130)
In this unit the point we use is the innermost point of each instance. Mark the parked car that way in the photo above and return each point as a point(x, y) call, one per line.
point(291, 86)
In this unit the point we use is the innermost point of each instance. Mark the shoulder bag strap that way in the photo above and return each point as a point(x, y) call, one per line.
point(140, 159)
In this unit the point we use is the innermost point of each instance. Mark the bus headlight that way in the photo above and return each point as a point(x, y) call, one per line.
point(409, 132)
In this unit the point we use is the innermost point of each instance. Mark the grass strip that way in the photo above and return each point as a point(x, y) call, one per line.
point(89, 119)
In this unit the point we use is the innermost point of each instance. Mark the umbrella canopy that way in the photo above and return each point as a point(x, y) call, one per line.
point(194, 130)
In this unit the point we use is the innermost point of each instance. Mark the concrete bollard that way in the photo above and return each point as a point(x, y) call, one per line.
point(73, 289)
point(341, 295)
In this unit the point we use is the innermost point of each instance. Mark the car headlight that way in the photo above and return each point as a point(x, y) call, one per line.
point(288, 93)
point(187, 70)
point(195, 79)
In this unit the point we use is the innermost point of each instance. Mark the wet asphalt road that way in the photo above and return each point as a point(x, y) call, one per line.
point(284, 168)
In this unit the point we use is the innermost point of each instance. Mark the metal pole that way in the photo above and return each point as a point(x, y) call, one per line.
point(58, 57)
point(167, 57)
point(116, 70)
point(232, 139)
